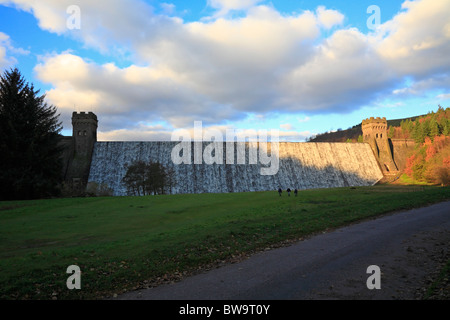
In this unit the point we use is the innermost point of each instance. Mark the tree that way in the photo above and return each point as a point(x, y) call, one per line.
point(407, 127)
point(360, 138)
point(426, 128)
point(434, 129)
point(135, 178)
point(148, 178)
point(30, 165)
point(391, 132)
point(446, 129)
point(419, 132)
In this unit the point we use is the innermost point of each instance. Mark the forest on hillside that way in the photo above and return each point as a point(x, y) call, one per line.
point(430, 125)
point(430, 160)
point(353, 134)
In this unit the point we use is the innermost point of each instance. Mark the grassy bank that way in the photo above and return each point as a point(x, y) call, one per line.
point(406, 180)
point(123, 242)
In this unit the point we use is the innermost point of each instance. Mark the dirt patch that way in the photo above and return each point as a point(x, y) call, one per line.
point(407, 274)
point(419, 265)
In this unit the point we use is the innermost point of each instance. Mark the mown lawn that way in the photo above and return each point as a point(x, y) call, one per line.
point(121, 243)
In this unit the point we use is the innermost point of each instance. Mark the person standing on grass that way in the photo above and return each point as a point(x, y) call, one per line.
point(289, 192)
point(280, 191)
point(295, 192)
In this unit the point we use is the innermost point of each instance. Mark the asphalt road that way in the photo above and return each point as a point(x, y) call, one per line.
point(406, 246)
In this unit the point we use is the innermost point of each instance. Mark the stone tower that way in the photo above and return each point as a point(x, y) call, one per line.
point(375, 133)
point(84, 138)
point(84, 132)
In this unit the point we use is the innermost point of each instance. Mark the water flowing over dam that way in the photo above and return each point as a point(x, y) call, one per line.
point(301, 166)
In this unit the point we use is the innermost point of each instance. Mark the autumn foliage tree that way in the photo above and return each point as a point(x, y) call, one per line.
point(431, 125)
point(430, 161)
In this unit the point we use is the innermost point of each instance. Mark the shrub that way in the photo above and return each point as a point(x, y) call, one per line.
point(443, 176)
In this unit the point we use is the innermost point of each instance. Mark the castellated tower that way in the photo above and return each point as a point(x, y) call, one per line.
point(84, 132)
point(375, 133)
point(84, 138)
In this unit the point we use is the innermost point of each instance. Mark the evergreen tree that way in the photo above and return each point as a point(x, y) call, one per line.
point(360, 138)
point(426, 129)
point(407, 127)
point(446, 129)
point(391, 132)
point(434, 129)
point(403, 125)
point(30, 165)
point(418, 132)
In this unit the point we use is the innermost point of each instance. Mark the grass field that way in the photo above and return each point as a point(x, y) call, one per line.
point(121, 243)
point(406, 180)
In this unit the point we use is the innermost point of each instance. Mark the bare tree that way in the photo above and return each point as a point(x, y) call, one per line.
point(148, 178)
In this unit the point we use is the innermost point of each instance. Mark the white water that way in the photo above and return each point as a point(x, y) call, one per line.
point(302, 166)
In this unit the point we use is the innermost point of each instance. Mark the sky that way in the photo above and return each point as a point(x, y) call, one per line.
point(148, 68)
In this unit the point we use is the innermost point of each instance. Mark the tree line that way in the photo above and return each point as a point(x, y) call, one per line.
point(148, 178)
point(430, 160)
point(432, 125)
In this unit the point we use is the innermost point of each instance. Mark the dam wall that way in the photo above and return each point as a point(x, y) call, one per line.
point(301, 166)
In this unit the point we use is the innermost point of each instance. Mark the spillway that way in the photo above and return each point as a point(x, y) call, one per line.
point(301, 166)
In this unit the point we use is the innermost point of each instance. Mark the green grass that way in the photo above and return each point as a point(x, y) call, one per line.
point(120, 242)
point(405, 179)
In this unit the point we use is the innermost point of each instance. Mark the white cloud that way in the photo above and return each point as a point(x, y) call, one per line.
point(440, 82)
point(404, 92)
point(233, 4)
point(287, 126)
point(161, 133)
point(8, 52)
point(225, 6)
point(344, 72)
point(226, 67)
point(141, 133)
point(444, 96)
point(126, 96)
point(51, 14)
point(194, 71)
point(105, 24)
point(168, 8)
point(417, 40)
point(294, 136)
point(5, 61)
point(329, 18)
point(303, 120)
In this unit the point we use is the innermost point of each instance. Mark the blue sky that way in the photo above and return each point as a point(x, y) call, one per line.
point(305, 67)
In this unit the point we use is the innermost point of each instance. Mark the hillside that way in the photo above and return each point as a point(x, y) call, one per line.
point(429, 162)
point(352, 133)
